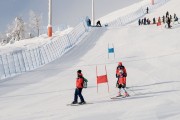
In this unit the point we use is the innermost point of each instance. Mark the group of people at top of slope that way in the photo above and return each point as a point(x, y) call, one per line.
point(169, 19)
point(145, 21)
point(121, 75)
point(88, 21)
point(166, 19)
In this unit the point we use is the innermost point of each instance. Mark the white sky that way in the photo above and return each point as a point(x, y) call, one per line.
point(150, 54)
point(62, 10)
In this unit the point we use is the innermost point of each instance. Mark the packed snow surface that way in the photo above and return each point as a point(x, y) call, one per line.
point(150, 53)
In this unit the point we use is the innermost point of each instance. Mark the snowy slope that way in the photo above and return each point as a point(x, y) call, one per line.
point(151, 55)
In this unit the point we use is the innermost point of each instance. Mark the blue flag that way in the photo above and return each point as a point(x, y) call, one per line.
point(111, 50)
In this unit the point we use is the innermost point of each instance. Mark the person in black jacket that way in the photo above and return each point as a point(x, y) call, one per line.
point(169, 22)
point(98, 24)
point(147, 10)
point(139, 21)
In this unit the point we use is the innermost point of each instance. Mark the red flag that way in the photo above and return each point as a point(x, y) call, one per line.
point(102, 79)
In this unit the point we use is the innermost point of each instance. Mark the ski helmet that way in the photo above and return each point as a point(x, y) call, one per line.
point(79, 71)
point(120, 63)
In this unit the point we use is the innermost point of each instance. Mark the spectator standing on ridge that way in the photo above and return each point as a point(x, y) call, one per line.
point(89, 22)
point(167, 14)
point(148, 21)
point(147, 10)
point(145, 21)
point(175, 16)
point(142, 22)
point(159, 20)
point(171, 17)
point(154, 20)
point(98, 24)
point(163, 19)
point(139, 22)
point(176, 19)
point(169, 22)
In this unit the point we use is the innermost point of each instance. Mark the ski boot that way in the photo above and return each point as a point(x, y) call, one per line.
point(126, 94)
point(74, 102)
point(81, 103)
point(119, 94)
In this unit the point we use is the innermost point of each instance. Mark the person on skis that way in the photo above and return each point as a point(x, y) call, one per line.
point(121, 74)
point(79, 87)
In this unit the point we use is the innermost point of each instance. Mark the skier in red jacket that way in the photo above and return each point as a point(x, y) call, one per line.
point(78, 90)
point(121, 74)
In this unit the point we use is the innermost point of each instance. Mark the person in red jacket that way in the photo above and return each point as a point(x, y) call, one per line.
point(79, 87)
point(121, 74)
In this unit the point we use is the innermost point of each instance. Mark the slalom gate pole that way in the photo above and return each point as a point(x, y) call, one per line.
point(107, 79)
point(114, 51)
point(96, 78)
